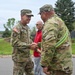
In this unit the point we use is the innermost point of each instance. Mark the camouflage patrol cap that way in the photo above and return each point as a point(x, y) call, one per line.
point(26, 12)
point(46, 7)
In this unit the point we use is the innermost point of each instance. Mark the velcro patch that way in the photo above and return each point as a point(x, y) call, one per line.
point(15, 30)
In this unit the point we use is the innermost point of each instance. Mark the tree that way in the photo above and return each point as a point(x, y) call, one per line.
point(10, 23)
point(74, 25)
point(6, 33)
point(66, 10)
point(8, 27)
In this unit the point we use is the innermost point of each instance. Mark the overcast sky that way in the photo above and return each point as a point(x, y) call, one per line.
point(11, 9)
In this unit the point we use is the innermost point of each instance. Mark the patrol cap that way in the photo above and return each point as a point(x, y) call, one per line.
point(46, 7)
point(26, 12)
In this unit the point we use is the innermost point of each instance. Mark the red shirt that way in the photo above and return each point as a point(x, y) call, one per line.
point(38, 38)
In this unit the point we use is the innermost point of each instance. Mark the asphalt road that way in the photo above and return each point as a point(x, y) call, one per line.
point(6, 66)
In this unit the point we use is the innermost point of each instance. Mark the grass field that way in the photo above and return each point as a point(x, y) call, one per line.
point(6, 49)
point(73, 48)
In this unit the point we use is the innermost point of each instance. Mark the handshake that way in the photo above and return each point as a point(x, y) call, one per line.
point(34, 46)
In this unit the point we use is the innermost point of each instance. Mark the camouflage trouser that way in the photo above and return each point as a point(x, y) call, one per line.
point(58, 73)
point(23, 67)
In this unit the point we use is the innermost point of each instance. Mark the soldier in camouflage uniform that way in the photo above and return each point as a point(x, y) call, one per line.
point(20, 40)
point(56, 60)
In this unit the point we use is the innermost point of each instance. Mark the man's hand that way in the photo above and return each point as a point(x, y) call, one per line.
point(34, 46)
point(38, 50)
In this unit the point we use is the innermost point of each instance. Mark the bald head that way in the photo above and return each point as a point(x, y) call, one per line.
point(39, 22)
point(39, 25)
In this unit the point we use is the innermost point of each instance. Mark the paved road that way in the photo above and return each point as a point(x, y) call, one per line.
point(6, 66)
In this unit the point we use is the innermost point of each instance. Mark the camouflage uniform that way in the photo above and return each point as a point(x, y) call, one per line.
point(20, 40)
point(58, 60)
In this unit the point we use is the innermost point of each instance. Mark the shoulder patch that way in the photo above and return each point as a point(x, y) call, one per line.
point(15, 30)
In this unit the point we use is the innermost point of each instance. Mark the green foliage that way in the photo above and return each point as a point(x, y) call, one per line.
point(10, 23)
point(6, 33)
point(8, 27)
point(66, 10)
point(33, 32)
point(74, 25)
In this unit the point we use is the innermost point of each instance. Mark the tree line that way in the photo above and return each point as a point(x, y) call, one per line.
point(65, 9)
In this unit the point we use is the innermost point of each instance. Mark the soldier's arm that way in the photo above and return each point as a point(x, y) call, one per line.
point(49, 38)
point(16, 42)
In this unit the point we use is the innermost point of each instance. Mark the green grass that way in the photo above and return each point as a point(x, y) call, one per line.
point(6, 49)
point(73, 48)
